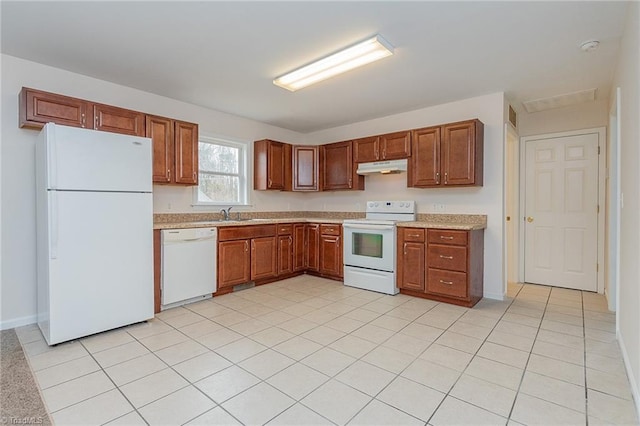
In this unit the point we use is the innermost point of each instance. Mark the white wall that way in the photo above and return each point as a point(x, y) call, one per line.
point(18, 279)
point(574, 117)
point(628, 70)
point(487, 199)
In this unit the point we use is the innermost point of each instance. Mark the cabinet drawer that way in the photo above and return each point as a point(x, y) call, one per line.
point(330, 229)
point(448, 283)
point(413, 234)
point(447, 257)
point(245, 232)
point(285, 229)
point(442, 236)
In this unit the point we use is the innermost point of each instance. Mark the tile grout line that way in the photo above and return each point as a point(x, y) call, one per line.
point(524, 370)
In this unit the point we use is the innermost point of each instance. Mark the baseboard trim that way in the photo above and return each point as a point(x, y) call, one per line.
point(18, 322)
point(627, 363)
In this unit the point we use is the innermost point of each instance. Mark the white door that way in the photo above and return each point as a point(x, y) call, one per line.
point(561, 211)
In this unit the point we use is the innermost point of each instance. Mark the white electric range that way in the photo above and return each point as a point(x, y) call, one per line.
point(370, 245)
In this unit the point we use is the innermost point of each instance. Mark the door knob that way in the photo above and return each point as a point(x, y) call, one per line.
point(508, 218)
point(529, 219)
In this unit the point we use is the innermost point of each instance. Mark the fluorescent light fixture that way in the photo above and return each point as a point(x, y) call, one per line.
point(347, 59)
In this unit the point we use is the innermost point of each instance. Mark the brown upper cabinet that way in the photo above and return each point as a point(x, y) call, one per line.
point(392, 146)
point(175, 143)
point(338, 170)
point(448, 155)
point(305, 163)
point(38, 108)
point(118, 120)
point(271, 165)
point(175, 150)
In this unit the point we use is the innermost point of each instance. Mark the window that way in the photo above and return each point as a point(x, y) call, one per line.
point(222, 179)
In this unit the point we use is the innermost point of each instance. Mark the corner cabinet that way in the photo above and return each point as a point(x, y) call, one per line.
point(271, 165)
point(448, 155)
point(338, 171)
point(392, 146)
point(175, 150)
point(305, 164)
point(441, 264)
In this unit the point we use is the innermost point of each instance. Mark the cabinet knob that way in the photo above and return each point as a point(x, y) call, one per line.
point(446, 282)
point(169, 173)
point(446, 178)
point(446, 257)
point(438, 177)
point(350, 183)
point(246, 246)
point(442, 237)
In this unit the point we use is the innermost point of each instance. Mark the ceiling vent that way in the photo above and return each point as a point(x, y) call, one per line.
point(560, 101)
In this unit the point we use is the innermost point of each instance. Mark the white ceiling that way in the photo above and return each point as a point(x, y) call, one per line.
point(224, 55)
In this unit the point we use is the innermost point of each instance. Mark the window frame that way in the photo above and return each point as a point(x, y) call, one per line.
point(243, 172)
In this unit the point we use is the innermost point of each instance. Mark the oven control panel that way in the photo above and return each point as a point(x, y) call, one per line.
point(391, 207)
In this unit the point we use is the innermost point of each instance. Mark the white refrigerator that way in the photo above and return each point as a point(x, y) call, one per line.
point(94, 231)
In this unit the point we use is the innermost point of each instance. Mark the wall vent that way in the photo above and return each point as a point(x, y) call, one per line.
point(560, 100)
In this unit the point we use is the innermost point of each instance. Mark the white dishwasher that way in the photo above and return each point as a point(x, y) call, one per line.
point(188, 265)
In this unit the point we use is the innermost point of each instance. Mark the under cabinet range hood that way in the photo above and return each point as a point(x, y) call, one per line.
point(382, 167)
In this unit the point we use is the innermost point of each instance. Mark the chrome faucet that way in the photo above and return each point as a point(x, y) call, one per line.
point(226, 213)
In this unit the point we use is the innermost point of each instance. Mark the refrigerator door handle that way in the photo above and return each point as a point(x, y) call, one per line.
point(53, 223)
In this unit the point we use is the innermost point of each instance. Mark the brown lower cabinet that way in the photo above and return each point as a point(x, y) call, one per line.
point(234, 265)
point(441, 264)
point(285, 249)
point(299, 247)
point(312, 247)
point(330, 256)
point(246, 253)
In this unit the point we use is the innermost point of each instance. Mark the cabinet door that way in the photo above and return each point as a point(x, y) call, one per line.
point(233, 263)
point(118, 120)
point(312, 255)
point(459, 155)
point(160, 130)
point(38, 108)
point(263, 258)
point(186, 153)
point(424, 165)
point(275, 165)
point(299, 247)
point(395, 146)
point(366, 149)
point(411, 262)
point(338, 171)
point(305, 168)
point(285, 254)
point(330, 255)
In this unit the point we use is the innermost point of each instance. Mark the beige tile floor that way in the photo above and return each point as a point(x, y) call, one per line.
point(308, 351)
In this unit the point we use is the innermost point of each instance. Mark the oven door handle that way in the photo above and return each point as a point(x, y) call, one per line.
point(371, 227)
